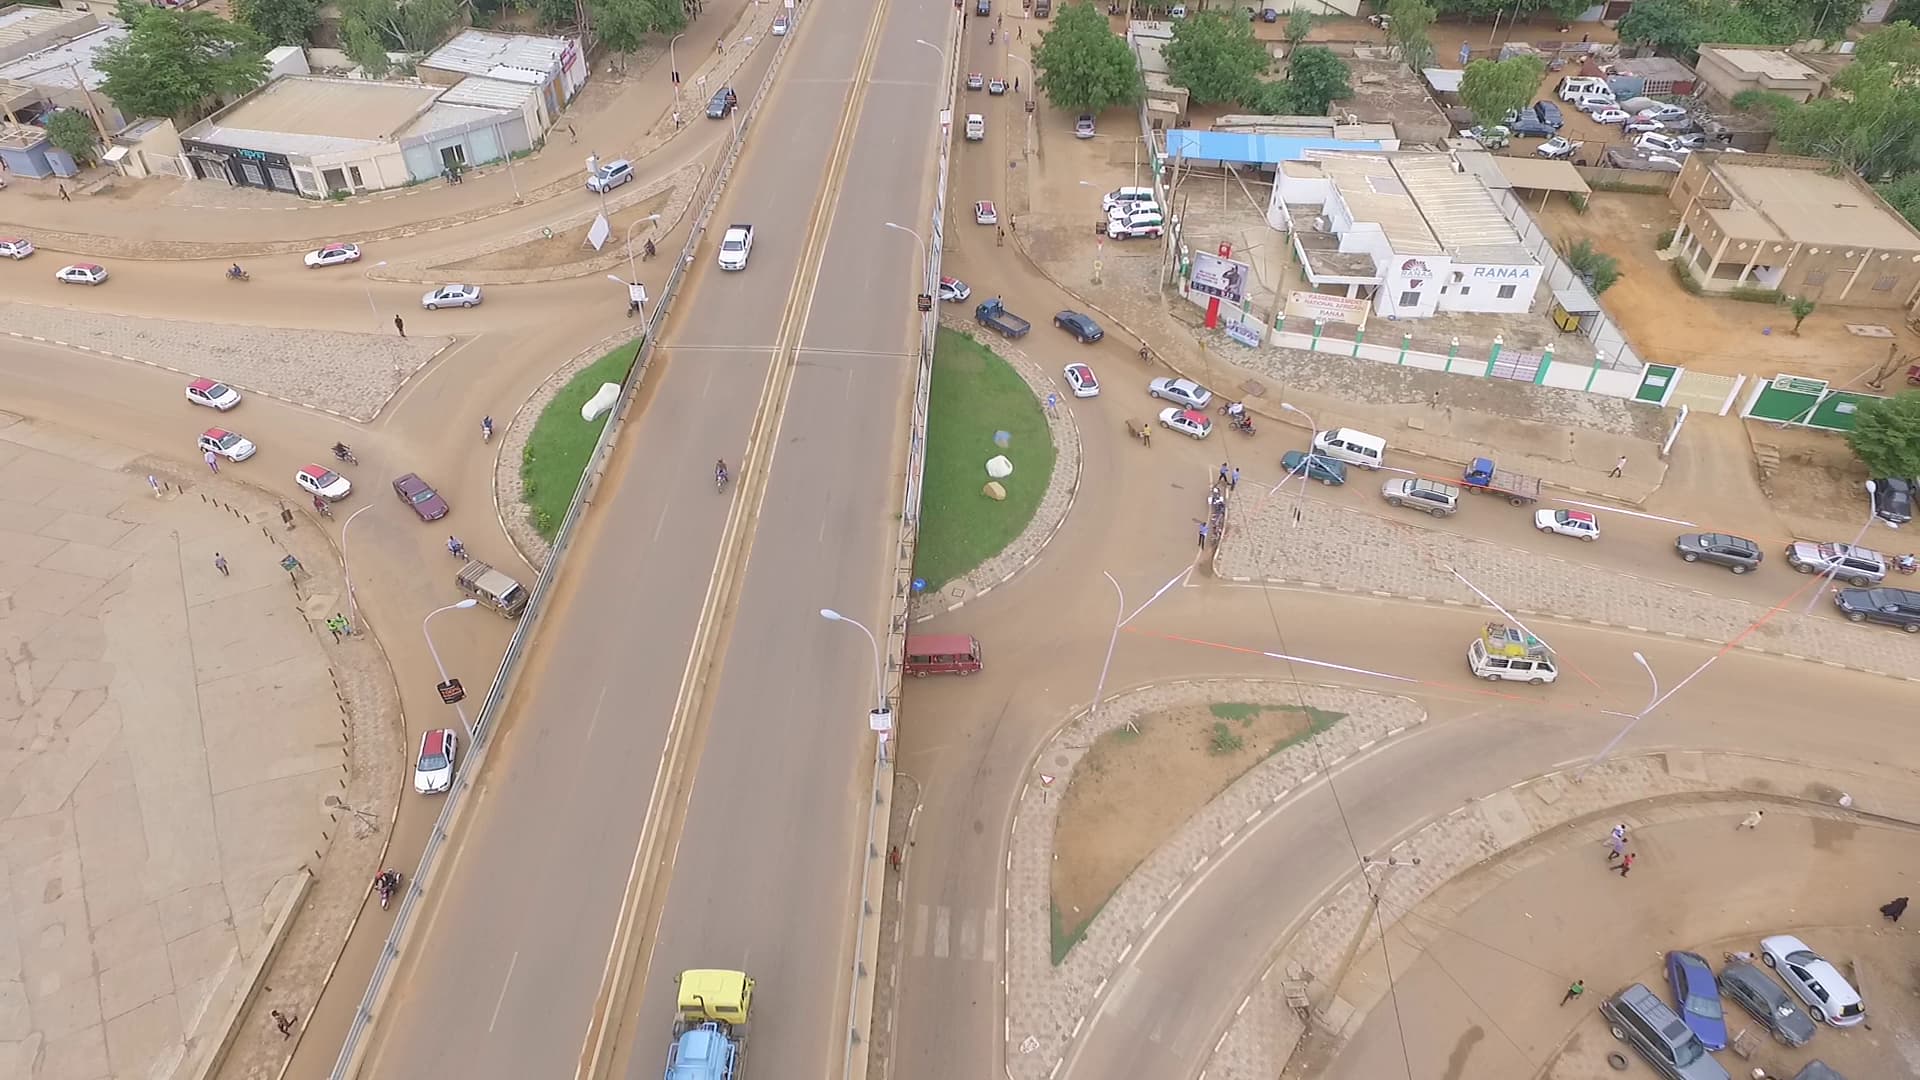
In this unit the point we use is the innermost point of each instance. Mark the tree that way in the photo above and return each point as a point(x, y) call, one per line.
point(1597, 268)
point(1315, 79)
point(1801, 307)
point(176, 63)
point(1300, 24)
point(1082, 65)
point(362, 44)
point(1408, 29)
point(1897, 44)
point(1216, 58)
point(1494, 88)
point(1904, 196)
point(413, 26)
point(278, 22)
point(71, 130)
point(1886, 434)
point(622, 25)
point(1871, 129)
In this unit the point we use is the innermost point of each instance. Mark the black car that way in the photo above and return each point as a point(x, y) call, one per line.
point(1895, 607)
point(724, 101)
point(1768, 1001)
point(1736, 553)
point(1548, 114)
point(1893, 500)
point(1529, 127)
point(1082, 327)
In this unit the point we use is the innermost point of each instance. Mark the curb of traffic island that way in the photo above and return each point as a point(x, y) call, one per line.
point(1058, 421)
point(1315, 953)
point(682, 185)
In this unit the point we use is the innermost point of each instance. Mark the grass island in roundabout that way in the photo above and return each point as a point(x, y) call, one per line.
point(557, 450)
point(978, 408)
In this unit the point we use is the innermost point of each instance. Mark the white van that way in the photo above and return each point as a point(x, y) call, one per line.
point(976, 127)
point(1128, 197)
point(1350, 446)
point(1574, 86)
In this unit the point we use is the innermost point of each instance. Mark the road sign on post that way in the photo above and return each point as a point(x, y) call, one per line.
point(451, 692)
point(924, 303)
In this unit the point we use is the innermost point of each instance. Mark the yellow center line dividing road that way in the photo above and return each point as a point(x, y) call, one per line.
point(644, 902)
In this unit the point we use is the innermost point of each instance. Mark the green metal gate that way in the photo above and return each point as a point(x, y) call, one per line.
point(1655, 382)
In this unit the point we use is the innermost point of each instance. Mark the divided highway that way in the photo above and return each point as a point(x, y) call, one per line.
point(502, 977)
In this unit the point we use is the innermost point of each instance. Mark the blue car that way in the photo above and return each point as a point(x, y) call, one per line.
point(1696, 997)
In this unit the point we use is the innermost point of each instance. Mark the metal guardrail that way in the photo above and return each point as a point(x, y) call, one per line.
point(352, 1050)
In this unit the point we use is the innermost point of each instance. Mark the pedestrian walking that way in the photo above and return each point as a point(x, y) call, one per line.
point(1001, 240)
point(1574, 990)
point(220, 564)
point(1626, 864)
point(1751, 821)
point(400, 325)
point(1203, 536)
point(284, 1023)
point(1617, 847)
point(213, 462)
point(1620, 832)
point(64, 197)
point(893, 858)
point(1619, 467)
point(1434, 401)
point(572, 135)
point(1234, 480)
point(1146, 437)
point(1225, 471)
point(1894, 908)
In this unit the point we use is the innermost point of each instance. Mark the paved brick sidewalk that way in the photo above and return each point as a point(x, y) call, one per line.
point(1046, 1004)
point(1337, 548)
point(1062, 488)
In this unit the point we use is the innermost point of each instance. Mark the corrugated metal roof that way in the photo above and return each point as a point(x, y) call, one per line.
point(17, 24)
point(489, 93)
point(509, 57)
point(1248, 149)
point(443, 116)
point(56, 66)
point(1459, 210)
point(1374, 193)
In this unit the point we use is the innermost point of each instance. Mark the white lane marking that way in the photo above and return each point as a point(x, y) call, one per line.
point(597, 707)
point(990, 936)
point(1629, 513)
point(1340, 667)
point(942, 932)
point(661, 524)
point(502, 999)
point(969, 939)
point(919, 930)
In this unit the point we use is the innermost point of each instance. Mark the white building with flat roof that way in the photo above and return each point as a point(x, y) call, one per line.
point(1407, 230)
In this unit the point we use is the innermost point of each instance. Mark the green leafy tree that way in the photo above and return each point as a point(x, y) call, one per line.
point(413, 26)
point(361, 42)
point(1408, 29)
point(278, 22)
point(1897, 44)
point(71, 130)
point(1216, 58)
point(1873, 129)
point(1904, 196)
point(177, 63)
point(1800, 307)
point(1315, 79)
point(1904, 11)
point(1082, 65)
point(1886, 435)
point(1494, 88)
point(622, 25)
point(1300, 24)
point(1597, 268)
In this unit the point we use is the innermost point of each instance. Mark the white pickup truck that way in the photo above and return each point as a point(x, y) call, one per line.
point(736, 244)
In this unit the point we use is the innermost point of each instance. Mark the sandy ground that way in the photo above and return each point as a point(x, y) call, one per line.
point(569, 246)
point(1135, 789)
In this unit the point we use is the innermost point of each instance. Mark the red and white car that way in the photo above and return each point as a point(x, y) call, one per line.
point(324, 482)
point(333, 255)
point(985, 214)
point(228, 444)
point(433, 769)
point(1187, 422)
point(975, 80)
point(1081, 379)
point(82, 274)
point(212, 394)
point(15, 247)
point(955, 290)
point(1578, 523)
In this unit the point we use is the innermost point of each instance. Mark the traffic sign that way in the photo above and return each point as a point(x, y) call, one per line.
point(451, 692)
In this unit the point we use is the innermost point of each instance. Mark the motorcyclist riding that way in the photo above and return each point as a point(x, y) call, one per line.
point(486, 428)
point(234, 271)
point(320, 505)
point(342, 452)
point(1237, 410)
point(648, 249)
point(720, 472)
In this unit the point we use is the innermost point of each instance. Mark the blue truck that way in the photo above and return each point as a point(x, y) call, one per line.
point(1481, 477)
point(994, 316)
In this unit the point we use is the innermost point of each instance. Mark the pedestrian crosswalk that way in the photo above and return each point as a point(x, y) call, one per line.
point(943, 933)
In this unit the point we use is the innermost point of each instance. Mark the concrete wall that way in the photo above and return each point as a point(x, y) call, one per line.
point(1478, 288)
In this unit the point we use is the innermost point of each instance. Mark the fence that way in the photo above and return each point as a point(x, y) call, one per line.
point(1540, 369)
point(1609, 344)
point(1611, 179)
point(352, 1049)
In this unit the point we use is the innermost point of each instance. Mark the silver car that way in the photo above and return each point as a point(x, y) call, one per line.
point(1828, 995)
point(1753, 991)
point(1857, 566)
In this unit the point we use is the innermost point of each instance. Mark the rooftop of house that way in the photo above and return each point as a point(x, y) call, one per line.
point(68, 64)
point(313, 115)
point(1805, 205)
point(1423, 205)
point(508, 57)
point(1760, 63)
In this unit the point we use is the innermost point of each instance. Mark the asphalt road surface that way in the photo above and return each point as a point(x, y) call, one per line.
point(502, 979)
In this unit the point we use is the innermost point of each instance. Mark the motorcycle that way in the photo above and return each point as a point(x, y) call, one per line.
point(343, 452)
point(719, 481)
point(1241, 424)
point(387, 884)
point(456, 549)
point(486, 430)
point(646, 251)
point(1906, 564)
point(237, 274)
point(322, 507)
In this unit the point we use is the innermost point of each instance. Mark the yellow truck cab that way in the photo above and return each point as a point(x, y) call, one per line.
point(709, 995)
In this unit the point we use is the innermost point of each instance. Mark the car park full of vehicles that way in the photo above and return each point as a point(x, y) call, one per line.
point(1640, 125)
point(1183, 392)
point(492, 588)
point(953, 289)
point(333, 255)
point(994, 316)
point(1638, 1018)
point(1655, 142)
point(228, 444)
point(1480, 476)
point(465, 296)
point(1323, 469)
point(1829, 997)
point(1549, 114)
point(1894, 607)
point(942, 654)
point(1125, 195)
point(324, 482)
point(1575, 87)
point(1081, 380)
point(15, 247)
point(214, 395)
point(82, 274)
point(736, 246)
point(1755, 991)
point(1575, 523)
point(710, 1027)
point(1665, 113)
point(609, 175)
point(1505, 653)
point(1736, 553)
point(1856, 566)
point(1610, 116)
point(1528, 127)
point(433, 769)
point(1593, 103)
point(419, 495)
point(1128, 224)
point(1492, 137)
point(1696, 995)
point(1190, 422)
point(1432, 496)
point(1080, 325)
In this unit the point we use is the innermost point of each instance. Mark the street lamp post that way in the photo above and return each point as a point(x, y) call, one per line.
point(366, 283)
point(1821, 587)
point(458, 709)
point(921, 244)
point(636, 293)
point(346, 568)
point(880, 709)
point(630, 227)
point(1119, 620)
point(673, 65)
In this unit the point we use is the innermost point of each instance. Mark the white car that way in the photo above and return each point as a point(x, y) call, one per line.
point(1637, 125)
point(1567, 523)
point(1611, 116)
point(228, 444)
point(324, 482)
point(1588, 103)
point(781, 24)
point(736, 246)
point(1655, 143)
point(953, 290)
point(333, 255)
point(433, 769)
point(82, 274)
point(451, 296)
point(1828, 995)
point(1556, 147)
point(1080, 378)
point(1184, 392)
point(985, 214)
point(214, 395)
point(1187, 422)
point(16, 247)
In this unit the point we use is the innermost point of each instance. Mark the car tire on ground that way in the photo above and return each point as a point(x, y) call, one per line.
point(1155, 394)
point(1394, 500)
point(1912, 627)
point(1819, 1014)
point(433, 307)
point(1805, 568)
point(1767, 959)
point(1738, 569)
point(1691, 557)
point(1618, 1032)
point(1536, 682)
point(468, 303)
point(1588, 539)
point(1438, 511)
point(1860, 582)
point(1543, 528)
